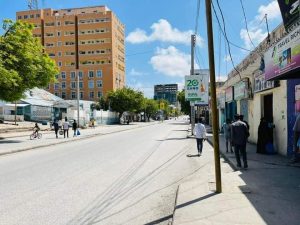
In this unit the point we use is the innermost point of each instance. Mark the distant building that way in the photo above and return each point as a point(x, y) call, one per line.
point(167, 92)
point(86, 42)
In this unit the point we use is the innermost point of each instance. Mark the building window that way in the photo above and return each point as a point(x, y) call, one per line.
point(56, 86)
point(63, 95)
point(56, 94)
point(99, 73)
point(73, 94)
point(25, 16)
point(73, 75)
point(58, 33)
point(91, 95)
point(56, 76)
point(99, 83)
point(59, 63)
point(58, 23)
point(31, 16)
point(59, 43)
point(37, 15)
point(19, 17)
point(73, 84)
point(81, 95)
point(59, 54)
point(63, 75)
point(80, 84)
point(63, 85)
point(99, 94)
point(91, 84)
point(91, 74)
point(80, 74)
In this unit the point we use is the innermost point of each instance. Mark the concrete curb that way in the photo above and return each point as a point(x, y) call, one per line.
point(77, 139)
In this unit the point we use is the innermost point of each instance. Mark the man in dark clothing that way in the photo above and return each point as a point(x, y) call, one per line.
point(74, 127)
point(242, 119)
point(56, 127)
point(239, 135)
point(296, 147)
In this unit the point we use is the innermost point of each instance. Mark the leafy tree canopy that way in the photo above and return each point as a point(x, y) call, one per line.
point(125, 99)
point(185, 105)
point(23, 63)
point(151, 107)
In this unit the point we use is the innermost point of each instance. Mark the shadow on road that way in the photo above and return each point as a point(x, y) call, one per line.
point(190, 155)
point(3, 141)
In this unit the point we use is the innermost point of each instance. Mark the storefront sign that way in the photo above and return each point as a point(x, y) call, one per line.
point(221, 100)
point(229, 94)
point(196, 88)
point(260, 83)
point(284, 56)
point(241, 90)
point(289, 11)
point(297, 99)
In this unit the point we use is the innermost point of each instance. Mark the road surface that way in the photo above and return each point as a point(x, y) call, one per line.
point(130, 177)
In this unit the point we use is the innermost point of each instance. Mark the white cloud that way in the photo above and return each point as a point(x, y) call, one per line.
point(164, 32)
point(257, 27)
point(171, 62)
point(256, 36)
point(272, 9)
point(136, 73)
point(227, 58)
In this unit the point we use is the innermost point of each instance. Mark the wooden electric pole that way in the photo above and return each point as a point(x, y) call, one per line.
point(213, 96)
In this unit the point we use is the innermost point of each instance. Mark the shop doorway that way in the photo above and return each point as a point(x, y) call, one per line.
point(268, 107)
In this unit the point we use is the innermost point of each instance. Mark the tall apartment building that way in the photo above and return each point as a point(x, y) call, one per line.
point(167, 92)
point(88, 42)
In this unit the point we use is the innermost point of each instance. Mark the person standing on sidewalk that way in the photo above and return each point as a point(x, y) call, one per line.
point(296, 143)
point(56, 128)
point(66, 128)
point(227, 134)
point(239, 136)
point(74, 127)
point(200, 134)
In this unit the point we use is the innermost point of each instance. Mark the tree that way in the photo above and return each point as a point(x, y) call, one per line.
point(103, 103)
point(151, 107)
point(185, 105)
point(164, 107)
point(23, 63)
point(125, 99)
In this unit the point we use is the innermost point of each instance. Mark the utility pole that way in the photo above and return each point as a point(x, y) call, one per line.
point(213, 96)
point(193, 42)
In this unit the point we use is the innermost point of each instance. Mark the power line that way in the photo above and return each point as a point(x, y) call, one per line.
point(197, 16)
point(225, 34)
point(246, 23)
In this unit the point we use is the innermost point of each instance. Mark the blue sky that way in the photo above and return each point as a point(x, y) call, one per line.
point(158, 34)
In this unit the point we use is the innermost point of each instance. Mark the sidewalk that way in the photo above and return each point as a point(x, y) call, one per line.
point(9, 145)
point(267, 193)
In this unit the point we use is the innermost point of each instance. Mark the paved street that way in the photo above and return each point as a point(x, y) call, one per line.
point(130, 177)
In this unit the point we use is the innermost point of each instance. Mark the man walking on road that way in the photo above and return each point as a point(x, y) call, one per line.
point(56, 127)
point(66, 128)
point(227, 135)
point(200, 134)
point(239, 135)
point(296, 143)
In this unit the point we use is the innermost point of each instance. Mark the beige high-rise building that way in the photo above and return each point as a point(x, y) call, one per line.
point(88, 42)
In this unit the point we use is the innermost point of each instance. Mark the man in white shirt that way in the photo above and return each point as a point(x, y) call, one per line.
point(66, 128)
point(200, 134)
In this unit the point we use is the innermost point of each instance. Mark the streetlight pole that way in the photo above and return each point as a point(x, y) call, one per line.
point(213, 96)
point(77, 68)
point(193, 42)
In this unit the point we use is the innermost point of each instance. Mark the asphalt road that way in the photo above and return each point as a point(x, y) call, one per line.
point(124, 178)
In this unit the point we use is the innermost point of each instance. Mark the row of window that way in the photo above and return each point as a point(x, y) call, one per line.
point(31, 16)
point(81, 32)
point(84, 42)
point(91, 74)
point(73, 85)
point(71, 22)
point(85, 63)
point(99, 20)
point(81, 94)
point(96, 52)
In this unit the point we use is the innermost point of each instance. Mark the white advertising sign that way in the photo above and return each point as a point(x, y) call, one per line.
point(196, 88)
